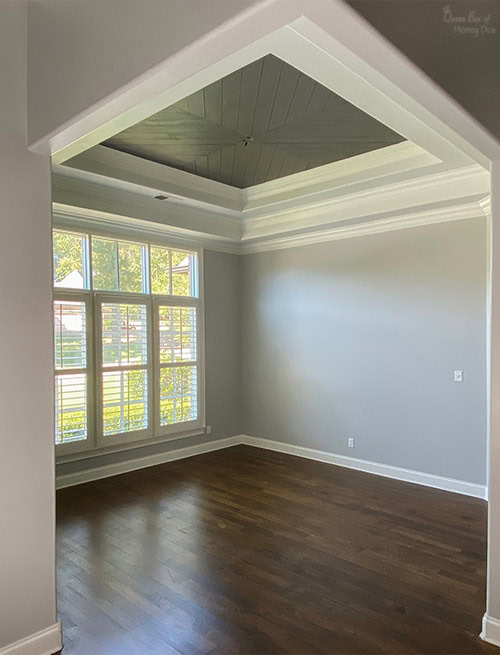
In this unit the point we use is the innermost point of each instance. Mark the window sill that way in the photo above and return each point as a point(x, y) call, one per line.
point(97, 452)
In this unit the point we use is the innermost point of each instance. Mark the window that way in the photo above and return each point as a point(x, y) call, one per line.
point(70, 332)
point(177, 364)
point(127, 325)
point(118, 265)
point(172, 272)
point(70, 260)
point(124, 367)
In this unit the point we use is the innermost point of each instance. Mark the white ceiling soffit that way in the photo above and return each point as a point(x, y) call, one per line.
point(440, 191)
point(446, 159)
point(119, 170)
point(326, 40)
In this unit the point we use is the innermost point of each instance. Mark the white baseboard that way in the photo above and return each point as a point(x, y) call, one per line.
point(395, 472)
point(45, 642)
point(99, 472)
point(407, 475)
point(491, 630)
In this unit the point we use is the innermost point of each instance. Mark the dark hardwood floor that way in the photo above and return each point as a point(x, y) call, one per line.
point(254, 552)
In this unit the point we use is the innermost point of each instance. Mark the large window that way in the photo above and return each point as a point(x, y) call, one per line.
point(127, 325)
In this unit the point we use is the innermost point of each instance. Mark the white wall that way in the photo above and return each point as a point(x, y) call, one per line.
point(492, 628)
point(27, 576)
point(360, 338)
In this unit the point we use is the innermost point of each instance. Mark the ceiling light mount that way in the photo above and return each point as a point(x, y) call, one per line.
point(161, 197)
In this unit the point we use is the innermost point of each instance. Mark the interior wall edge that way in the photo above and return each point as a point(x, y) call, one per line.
point(491, 630)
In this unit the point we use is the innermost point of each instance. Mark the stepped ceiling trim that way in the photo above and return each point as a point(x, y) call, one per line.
point(262, 122)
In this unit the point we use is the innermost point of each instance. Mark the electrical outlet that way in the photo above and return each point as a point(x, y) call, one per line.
point(208, 429)
point(458, 376)
point(350, 442)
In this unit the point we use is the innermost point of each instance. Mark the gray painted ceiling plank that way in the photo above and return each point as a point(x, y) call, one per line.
point(337, 105)
point(261, 173)
point(295, 123)
point(202, 165)
point(231, 86)
point(248, 97)
point(303, 92)
point(271, 71)
point(284, 96)
point(292, 165)
point(318, 100)
point(253, 155)
point(276, 164)
point(227, 159)
point(196, 104)
point(214, 164)
point(182, 104)
point(213, 102)
point(239, 165)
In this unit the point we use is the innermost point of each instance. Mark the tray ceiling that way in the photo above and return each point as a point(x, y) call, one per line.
point(260, 123)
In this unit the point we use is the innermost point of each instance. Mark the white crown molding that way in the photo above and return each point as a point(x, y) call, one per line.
point(100, 223)
point(186, 219)
point(122, 171)
point(444, 196)
point(332, 179)
point(404, 221)
point(485, 205)
point(45, 642)
point(104, 164)
point(467, 184)
point(77, 218)
point(316, 209)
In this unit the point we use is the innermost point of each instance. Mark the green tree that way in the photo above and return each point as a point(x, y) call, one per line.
point(160, 270)
point(68, 254)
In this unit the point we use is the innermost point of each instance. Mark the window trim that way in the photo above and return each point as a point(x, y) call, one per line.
point(96, 444)
point(65, 295)
point(136, 435)
point(169, 431)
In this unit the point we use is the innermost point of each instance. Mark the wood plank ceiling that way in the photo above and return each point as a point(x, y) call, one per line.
point(262, 122)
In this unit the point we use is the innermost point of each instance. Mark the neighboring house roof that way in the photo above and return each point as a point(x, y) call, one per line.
point(183, 266)
point(74, 280)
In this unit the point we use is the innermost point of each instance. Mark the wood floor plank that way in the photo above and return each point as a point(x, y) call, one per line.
point(251, 552)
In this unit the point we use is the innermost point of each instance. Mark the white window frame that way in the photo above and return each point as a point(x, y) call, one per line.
point(135, 435)
point(96, 443)
point(178, 301)
point(64, 295)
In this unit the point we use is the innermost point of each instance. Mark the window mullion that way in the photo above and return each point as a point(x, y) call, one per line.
point(117, 257)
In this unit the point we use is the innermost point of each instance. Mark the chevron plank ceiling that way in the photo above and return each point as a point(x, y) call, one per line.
point(262, 122)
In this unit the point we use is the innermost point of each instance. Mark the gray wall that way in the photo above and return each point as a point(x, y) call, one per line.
point(222, 347)
point(465, 66)
point(27, 551)
point(360, 338)
point(77, 57)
